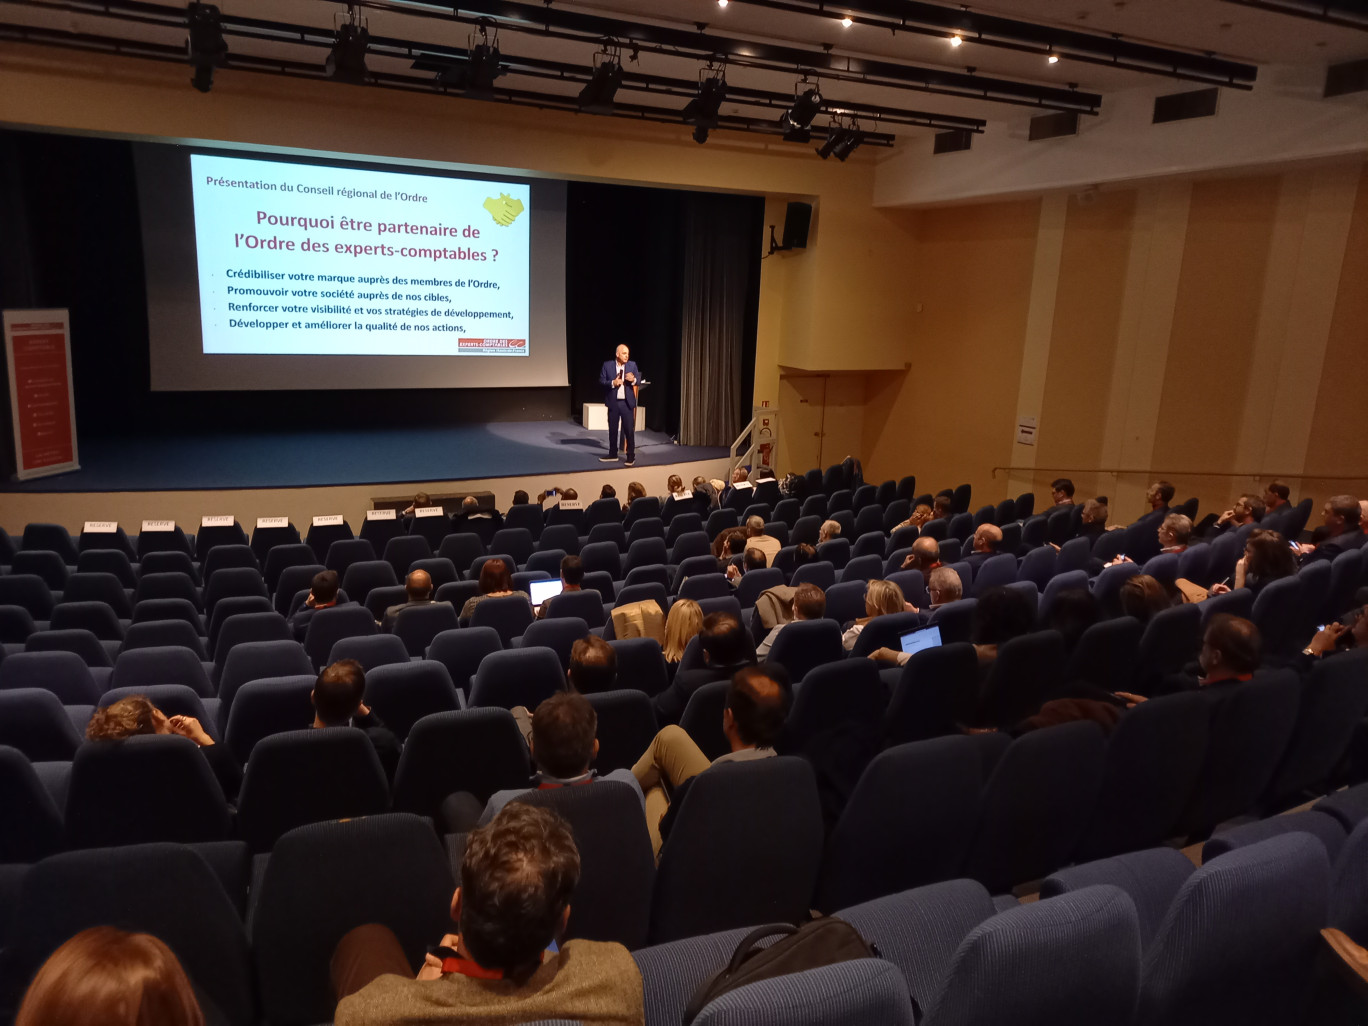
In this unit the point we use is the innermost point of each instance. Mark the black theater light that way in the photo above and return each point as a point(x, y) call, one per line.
point(798, 117)
point(841, 142)
point(597, 95)
point(703, 109)
point(206, 45)
point(347, 58)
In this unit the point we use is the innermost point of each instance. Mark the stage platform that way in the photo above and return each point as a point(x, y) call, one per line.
point(184, 460)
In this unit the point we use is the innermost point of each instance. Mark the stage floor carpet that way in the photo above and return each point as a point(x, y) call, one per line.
point(179, 460)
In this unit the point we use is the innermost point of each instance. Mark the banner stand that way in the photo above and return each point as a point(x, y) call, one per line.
point(38, 358)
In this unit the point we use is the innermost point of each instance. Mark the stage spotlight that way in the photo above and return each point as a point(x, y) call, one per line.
point(847, 144)
point(800, 115)
point(1053, 59)
point(956, 41)
point(597, 95)
point(484, 68)
point(347, 59)
point(702, 110)
point(700, 134)
point(846, 21)
point(205, 45)
point(721, 3)
point(834, 134)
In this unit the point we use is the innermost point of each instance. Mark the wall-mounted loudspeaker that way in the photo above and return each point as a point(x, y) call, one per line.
point(797, 221)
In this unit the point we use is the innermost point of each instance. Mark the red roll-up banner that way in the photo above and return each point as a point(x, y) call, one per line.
point(42, 405)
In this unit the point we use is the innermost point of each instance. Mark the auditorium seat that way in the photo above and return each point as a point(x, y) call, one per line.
point(604, 556)
point(559, 635)
point(948, 550)
point(805, 530)
point(93, 652)
point(862, 568)
point(1105, 654)
point(361, 577)
point(608, 532)
point(65, 674)
point(253, 660)
point(242, 628)
point(107, 561)
point(96, 617)
point(1333, 699)
point(820, 573)
point(559, 536)
point(895, 513)
point(769, 813)
point(806, 644)
point(641, 665)
point(1326, 829)
point(602, 511)
point(626, 726)
point(435, 528)
point(161, 665)
point(689, 545)
point(476, 750)
point(267, 705)
point(547, 562)
point(33, 823)
point(1106, 587)
point(955, 620)
point(1036, 805)
point(346, 551)
point(308, 776)
point(845, 601)
point(53, 538)
point(29, 591)
point(403, 693)
point(380, 532)
point(996, 572)
point(612, 900)
point(167, 890)
point(1171, 639)
point(144, 788)
point(527, 515)
point(788, 510)
point(845, 696)
point(403, 550)
point(281, 558)
point(912, 584)
point(523, 676)
point(755, 583)
point(309, 898)
point(171, 699)
point(1346, 570)
point(99, 587)
point(440, 569)
point(509, 615)
point(172, 585)
point(522, 580)
point(856, 990)
point(174, 540)
point(692, 566)
point(460, 651)
point(644, 552)
point(515, 541)
point(480, 561)
point(869, 520)
point(458, 593)
point(320, 538)
point(885, 631)
point(702, 719)
point(646, 527)
point(327, 625)
point(370, 652)
point(265, 539)
point(148, 610)
point(704, 586)
point(34, 721)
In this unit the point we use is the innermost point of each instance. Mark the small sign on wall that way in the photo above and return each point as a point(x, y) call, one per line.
point(1026, 430)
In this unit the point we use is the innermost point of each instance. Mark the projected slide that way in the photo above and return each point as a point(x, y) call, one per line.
point(313, 260)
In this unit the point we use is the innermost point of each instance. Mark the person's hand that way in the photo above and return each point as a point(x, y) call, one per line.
point(1218, 589)
point(188, 726)
point(1325, 640)
point(1131, 700)
point(1305, 547)
point(617, 381)
point(1053, 546)
point(1227, 515)
point(884, 655)
point(733, 573)
point(907, 562)
point(363, 709)
point(908, 607)
point(432, 965)
point(309, 600)
point(631, 378)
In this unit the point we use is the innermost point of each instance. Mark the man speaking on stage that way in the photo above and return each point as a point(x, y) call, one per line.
point(619, 380)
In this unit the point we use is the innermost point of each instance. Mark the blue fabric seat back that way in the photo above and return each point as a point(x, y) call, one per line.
point(480, 561)
point(233, 606)
point(1027, 673)
point(902, 538)
point(403, 693)
point(586, 605)
point(820, 573)
point(606, 532)
point(693, 566)
point(516, 541)
point(1106, 586)
point(836, 551)
point(1237, 603)
point(806, 644)
point(507, 614)
point(548, 561)
point(1154, 760)
point(1194, 564)
point(96, 617)
point(646, 527)
point(439, 568)
point(33, 721)
point(646, 507)
point(267, 705)
point(602, 511)
point(846, 601)
point(640, 666)
point(461, 547)
point(1105, 654)
point(1109, 545)
point(149, 787)
point(1326, 829)
point(49, 538)
point(1072, 958)
point(381, 532)
point(221, 556)
point(895, 512)
point(33, 823)
point(1036, 805)
point(913, 586)
point(1334, 698)
point(961, 526)
point(1241, 937)
point(1034, 531)
point(416, 626)
point(935, 786)
point(955, 620)
point(461, 650)
point(863, 568)
point(1171, 639)
point(689, 545)
point(344, 552)
point(167, 585)
point(65, 674)
point(29, 591)
point(522, 676)
point(166, 890)
point(306, 904)
point(16, 624)
point(860, 990)
point(1315, 578)
point(885, 631)
point(168, 609)
point(815, 506)
point(83, 643)
point(1349, 885)
point(702, 719)
point(327, 625)
point(107, 561)
point(995, 572)
point(755, 583)
point(949, 550)
point(605, 556)
point(645, 552)
point(308, 776)
point(361, 577)
point(1163, 567)
point(377, 650)
point(99, 587)
point(115, 541)
point(291, 578)
point(559, 635)
point(475, 750)
point(1151, 877)
point(626, 726)
point(403, 550)
point(1345, 573)
point(265, 539)
point(869, 521)
point(806, 530)
point(253, 660)
point(246, 627)
point(769, 811)
point(683, 523)
point(837, 696)
point(527, 515)
point(1039, 565)
point(936, 691)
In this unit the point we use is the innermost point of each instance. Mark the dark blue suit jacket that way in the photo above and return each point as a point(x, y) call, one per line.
point(609, 372)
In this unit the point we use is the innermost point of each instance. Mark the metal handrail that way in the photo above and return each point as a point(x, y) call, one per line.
point(747, 432)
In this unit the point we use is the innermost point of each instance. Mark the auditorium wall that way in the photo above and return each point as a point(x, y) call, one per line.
point(1212, 330)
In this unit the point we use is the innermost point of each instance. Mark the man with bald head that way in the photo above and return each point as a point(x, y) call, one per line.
point(986, 541)
point(925, 556)
point(418, 588)
point(619, 379)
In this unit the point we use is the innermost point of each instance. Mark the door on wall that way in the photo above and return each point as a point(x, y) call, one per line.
point(823, 419)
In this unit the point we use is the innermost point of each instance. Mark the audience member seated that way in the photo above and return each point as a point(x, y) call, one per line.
point(1276, 497)
point(809, 603)
point(1231, 652)
point(572, 579)
point(520, 498)
point(740, 476)
point(322, 595)
point(420, 501)
point(803, 554)
point(1351, 631)
point(564, 745)
point(338, 698)
point(1142, 596)
point(593, 666)
point(107, 976)
point(987, 538)
point(495, 582)
point(674, 486)
point(1248, 509)
point(136, 715)
point(418, 588)
point(881, 599)
point(685, 621)
point(481, 523)
point(705, 494)
point(757, 705)
point(942, 506)
point(1342, 530)
point(829, 529)
point(728, 543)
point(517, 877)
point(925, 556)
point(944, 585)
point(917, 518)
point(1093, 519)
point(753, 559)
point(756, 538)
point(1267, 557)
point(1159, 495)
point(608, 492)
point(1175, 531)
point(1062, 491)
point(726, 649)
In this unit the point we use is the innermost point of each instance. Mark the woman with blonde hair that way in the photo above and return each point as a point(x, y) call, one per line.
point(107, 977)
point(685, 620)
point(881, 599)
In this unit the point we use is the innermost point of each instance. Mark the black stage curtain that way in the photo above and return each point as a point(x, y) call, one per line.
point(641, 263)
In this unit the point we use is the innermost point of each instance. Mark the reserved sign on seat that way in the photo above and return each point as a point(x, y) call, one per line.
point(381, 514)
point(273, 522)
point(429, 511)
point(158, 525)
point(217, 521)
point(332, 520)
point(100, 527)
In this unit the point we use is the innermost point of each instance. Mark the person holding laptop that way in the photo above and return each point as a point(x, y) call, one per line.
point(571, 578)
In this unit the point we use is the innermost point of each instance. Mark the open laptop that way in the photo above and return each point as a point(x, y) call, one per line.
point(923, 637)
point(543, 590)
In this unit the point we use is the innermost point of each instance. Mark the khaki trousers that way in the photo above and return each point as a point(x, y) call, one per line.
point(671, 759)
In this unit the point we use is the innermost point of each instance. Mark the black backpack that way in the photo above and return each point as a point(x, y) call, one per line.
point(823, 941)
